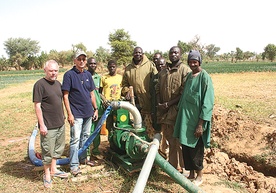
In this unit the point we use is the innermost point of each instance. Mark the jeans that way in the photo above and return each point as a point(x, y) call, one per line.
point(79, 133)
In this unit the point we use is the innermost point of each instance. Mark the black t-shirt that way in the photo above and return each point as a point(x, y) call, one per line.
point(50, 96)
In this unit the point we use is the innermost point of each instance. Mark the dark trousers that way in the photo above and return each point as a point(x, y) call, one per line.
point(193, 157)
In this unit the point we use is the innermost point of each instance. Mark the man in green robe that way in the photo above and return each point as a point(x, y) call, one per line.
point(193, 123)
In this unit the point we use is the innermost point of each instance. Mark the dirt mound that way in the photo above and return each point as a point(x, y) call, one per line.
point(242, 151)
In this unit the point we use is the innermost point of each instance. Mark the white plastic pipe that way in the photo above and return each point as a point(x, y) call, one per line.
point(144, 174)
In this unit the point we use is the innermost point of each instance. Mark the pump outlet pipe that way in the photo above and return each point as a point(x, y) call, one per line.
point(145, 171)
point(176, 175)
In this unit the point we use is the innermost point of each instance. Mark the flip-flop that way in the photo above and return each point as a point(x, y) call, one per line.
point(46, 183)
point(92, 163)
point(60, 174)
point(76, 172)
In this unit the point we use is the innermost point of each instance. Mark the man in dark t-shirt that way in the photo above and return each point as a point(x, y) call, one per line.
point(47, 98)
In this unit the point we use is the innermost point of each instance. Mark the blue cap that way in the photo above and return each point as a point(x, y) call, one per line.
point(194, 55)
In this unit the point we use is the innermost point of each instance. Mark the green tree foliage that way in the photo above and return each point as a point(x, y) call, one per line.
point(76, 47)
point(225, 56)
point(185, 48)
point(62, 57)
point(42, 60)
point(211, 51)
point(16, 60)
point(247, 55)
point(4, 65)
point(102, 55)
point(19, 50)
point(239, 54)
point(151, 54)
point(79, 46)
point(270, 52)
point(121, 46)
point(30, 62)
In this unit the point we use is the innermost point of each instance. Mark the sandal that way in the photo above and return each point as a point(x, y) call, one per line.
point(96, 157)
point(92, 163)
point(46, 183)
point(60, 174)
point(76, 172)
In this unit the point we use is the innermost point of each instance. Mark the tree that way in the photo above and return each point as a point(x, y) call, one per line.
point(42, 60)
point(270, 52)
point(30, 62)
point(211, 51)
point(196, 45)
point(248, 55)
point(19, 49)
point(185, 48)
point(76, 47)
point(225, 56)
point(3, 64)
point(121, 46)
point(62, 57)
point(79, 46)
point(239, 54)
point(102, 55)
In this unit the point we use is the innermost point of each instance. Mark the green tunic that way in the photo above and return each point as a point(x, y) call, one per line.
point(97, 80)
point(196, 102)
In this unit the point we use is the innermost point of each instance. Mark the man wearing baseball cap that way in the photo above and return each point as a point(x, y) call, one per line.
point(81, 107)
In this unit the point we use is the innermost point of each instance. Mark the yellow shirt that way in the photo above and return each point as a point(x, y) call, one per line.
point(111, 86)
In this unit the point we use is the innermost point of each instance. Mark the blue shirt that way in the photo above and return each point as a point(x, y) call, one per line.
point(79, 85)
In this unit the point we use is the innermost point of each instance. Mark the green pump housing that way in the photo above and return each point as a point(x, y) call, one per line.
point(127, 145)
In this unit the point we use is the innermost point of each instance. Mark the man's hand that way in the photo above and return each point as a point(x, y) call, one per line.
point(199, 131)
point(128, 95)
point(71, 119)
point(105, 102)
point(95, 116)
point(43, 130)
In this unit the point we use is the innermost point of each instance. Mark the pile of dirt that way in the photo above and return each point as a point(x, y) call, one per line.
point(243, 151)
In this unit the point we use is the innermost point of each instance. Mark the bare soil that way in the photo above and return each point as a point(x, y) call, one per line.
point(242, 157)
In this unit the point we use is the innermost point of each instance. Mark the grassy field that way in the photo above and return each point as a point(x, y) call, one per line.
point(226, 67)
point(8, 78)
point(253, 93)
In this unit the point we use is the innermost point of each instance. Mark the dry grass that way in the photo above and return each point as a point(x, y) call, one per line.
point(254, 92)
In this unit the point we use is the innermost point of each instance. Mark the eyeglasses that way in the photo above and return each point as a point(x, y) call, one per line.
point(81, 59)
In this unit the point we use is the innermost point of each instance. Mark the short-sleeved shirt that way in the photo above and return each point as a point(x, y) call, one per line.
point(50, 96)
point(112, 86)
point(79, 85)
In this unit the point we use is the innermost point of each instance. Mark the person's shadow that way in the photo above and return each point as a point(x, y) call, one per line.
point(22, 169)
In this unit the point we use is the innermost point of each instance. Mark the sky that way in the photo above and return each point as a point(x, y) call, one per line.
point(152, 24)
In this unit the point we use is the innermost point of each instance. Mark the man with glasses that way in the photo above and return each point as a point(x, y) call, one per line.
point(81, 107)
